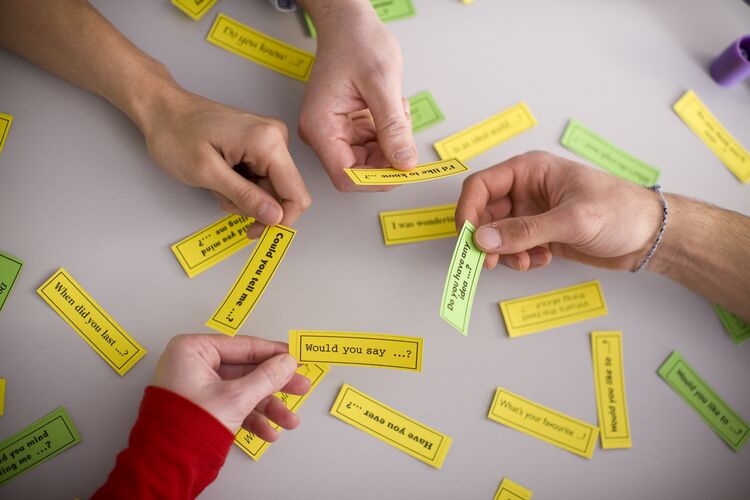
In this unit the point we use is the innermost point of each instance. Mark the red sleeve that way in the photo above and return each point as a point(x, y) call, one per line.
point(175, 450)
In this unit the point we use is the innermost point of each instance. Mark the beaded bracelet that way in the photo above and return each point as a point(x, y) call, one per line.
point(665, 206)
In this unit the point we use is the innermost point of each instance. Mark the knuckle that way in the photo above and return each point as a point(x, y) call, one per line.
point(247, 198)
point(393, 126)
point(527, 227)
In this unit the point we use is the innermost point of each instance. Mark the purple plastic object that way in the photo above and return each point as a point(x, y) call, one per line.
point(733, 65)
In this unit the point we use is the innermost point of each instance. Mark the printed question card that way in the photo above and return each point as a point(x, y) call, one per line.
point(509, 490)
point(543, 423)
point(90, 321)
point(461, 282)
point(707, 127)
point(254, 446)
point(10, 268)
point(553, 309)
point(420, 173)
point(267, 255)
point(697, 393)
point(260, 48)
point(194, 8)
point(586, 143)
point(390, 426)
point(609, 379)
point(37, 443)
point(212, 244)
point(5, 123)
point(424, 112)
point(357, 349)
point(418, 224)
point(735, 327)
point(487, 134)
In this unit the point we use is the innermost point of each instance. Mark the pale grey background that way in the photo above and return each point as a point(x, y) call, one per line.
point(77, 189)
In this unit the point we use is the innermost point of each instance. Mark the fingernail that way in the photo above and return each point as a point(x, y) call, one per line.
point(538, 258)
point(488, 237)
point(268, 214)
point(404, 154)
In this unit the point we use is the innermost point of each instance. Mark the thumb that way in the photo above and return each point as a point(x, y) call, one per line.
point(390, 112)
point(518, 234)
point(268, 378)
point(251, 199)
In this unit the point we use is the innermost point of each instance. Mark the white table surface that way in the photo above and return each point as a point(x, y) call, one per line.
point(78, 189)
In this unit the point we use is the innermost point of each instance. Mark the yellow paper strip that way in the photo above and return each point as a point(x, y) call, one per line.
point(390, 426)
point(194, 8)
point(2, 397)
point(385, 176)
point(543, 423)
point(487, 134)
point(254, 446)
point(606, 351)
point(91, 322)
point(509, 490)
point(707, 127)
point(5, 123)
point(553, 309)
point(268, 253)
point(261, 48)
point(418, 224)
point(358, 349)
point(212, 244)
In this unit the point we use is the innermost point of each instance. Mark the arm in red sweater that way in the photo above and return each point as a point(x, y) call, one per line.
point(176, 449)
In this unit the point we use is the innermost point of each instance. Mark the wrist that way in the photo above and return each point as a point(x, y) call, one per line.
point(670, 254)
point(331, 16)
point(147, 94)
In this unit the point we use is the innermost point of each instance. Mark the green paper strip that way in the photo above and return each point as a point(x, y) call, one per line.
point(424, 111)
point(461, 282)
point(697, 393)
point(393, 10)
point(310, 26)
point(10, 267)
point(37, 443)
point(387, 11)
point(614, 160)
point(735, 327)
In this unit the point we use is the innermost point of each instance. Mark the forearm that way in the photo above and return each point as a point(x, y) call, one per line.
point(72, 40)
point(707, 249)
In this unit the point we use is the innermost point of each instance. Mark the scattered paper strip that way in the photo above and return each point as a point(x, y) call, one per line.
point(586, 143)
point(487, 134)
point(212, 244)
point(390, 426)
point(561, 307)
point(37, 443)
point(609, 379)
point(543, 423)
point(698, 394)
point(68, 299)
point(260, 48)
point(707, 127)
point(418, 224)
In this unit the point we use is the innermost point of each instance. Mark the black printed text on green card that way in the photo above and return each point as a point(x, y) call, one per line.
point(614, 160)
point(697, 393)
point(736, 328)
point(424, 112)
point(461, 282)
point(10, 267)
point(37, 443)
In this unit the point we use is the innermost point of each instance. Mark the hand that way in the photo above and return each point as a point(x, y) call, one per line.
point(354, 113)
point(537, 205)
point(241, 157)
point(233, 378)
